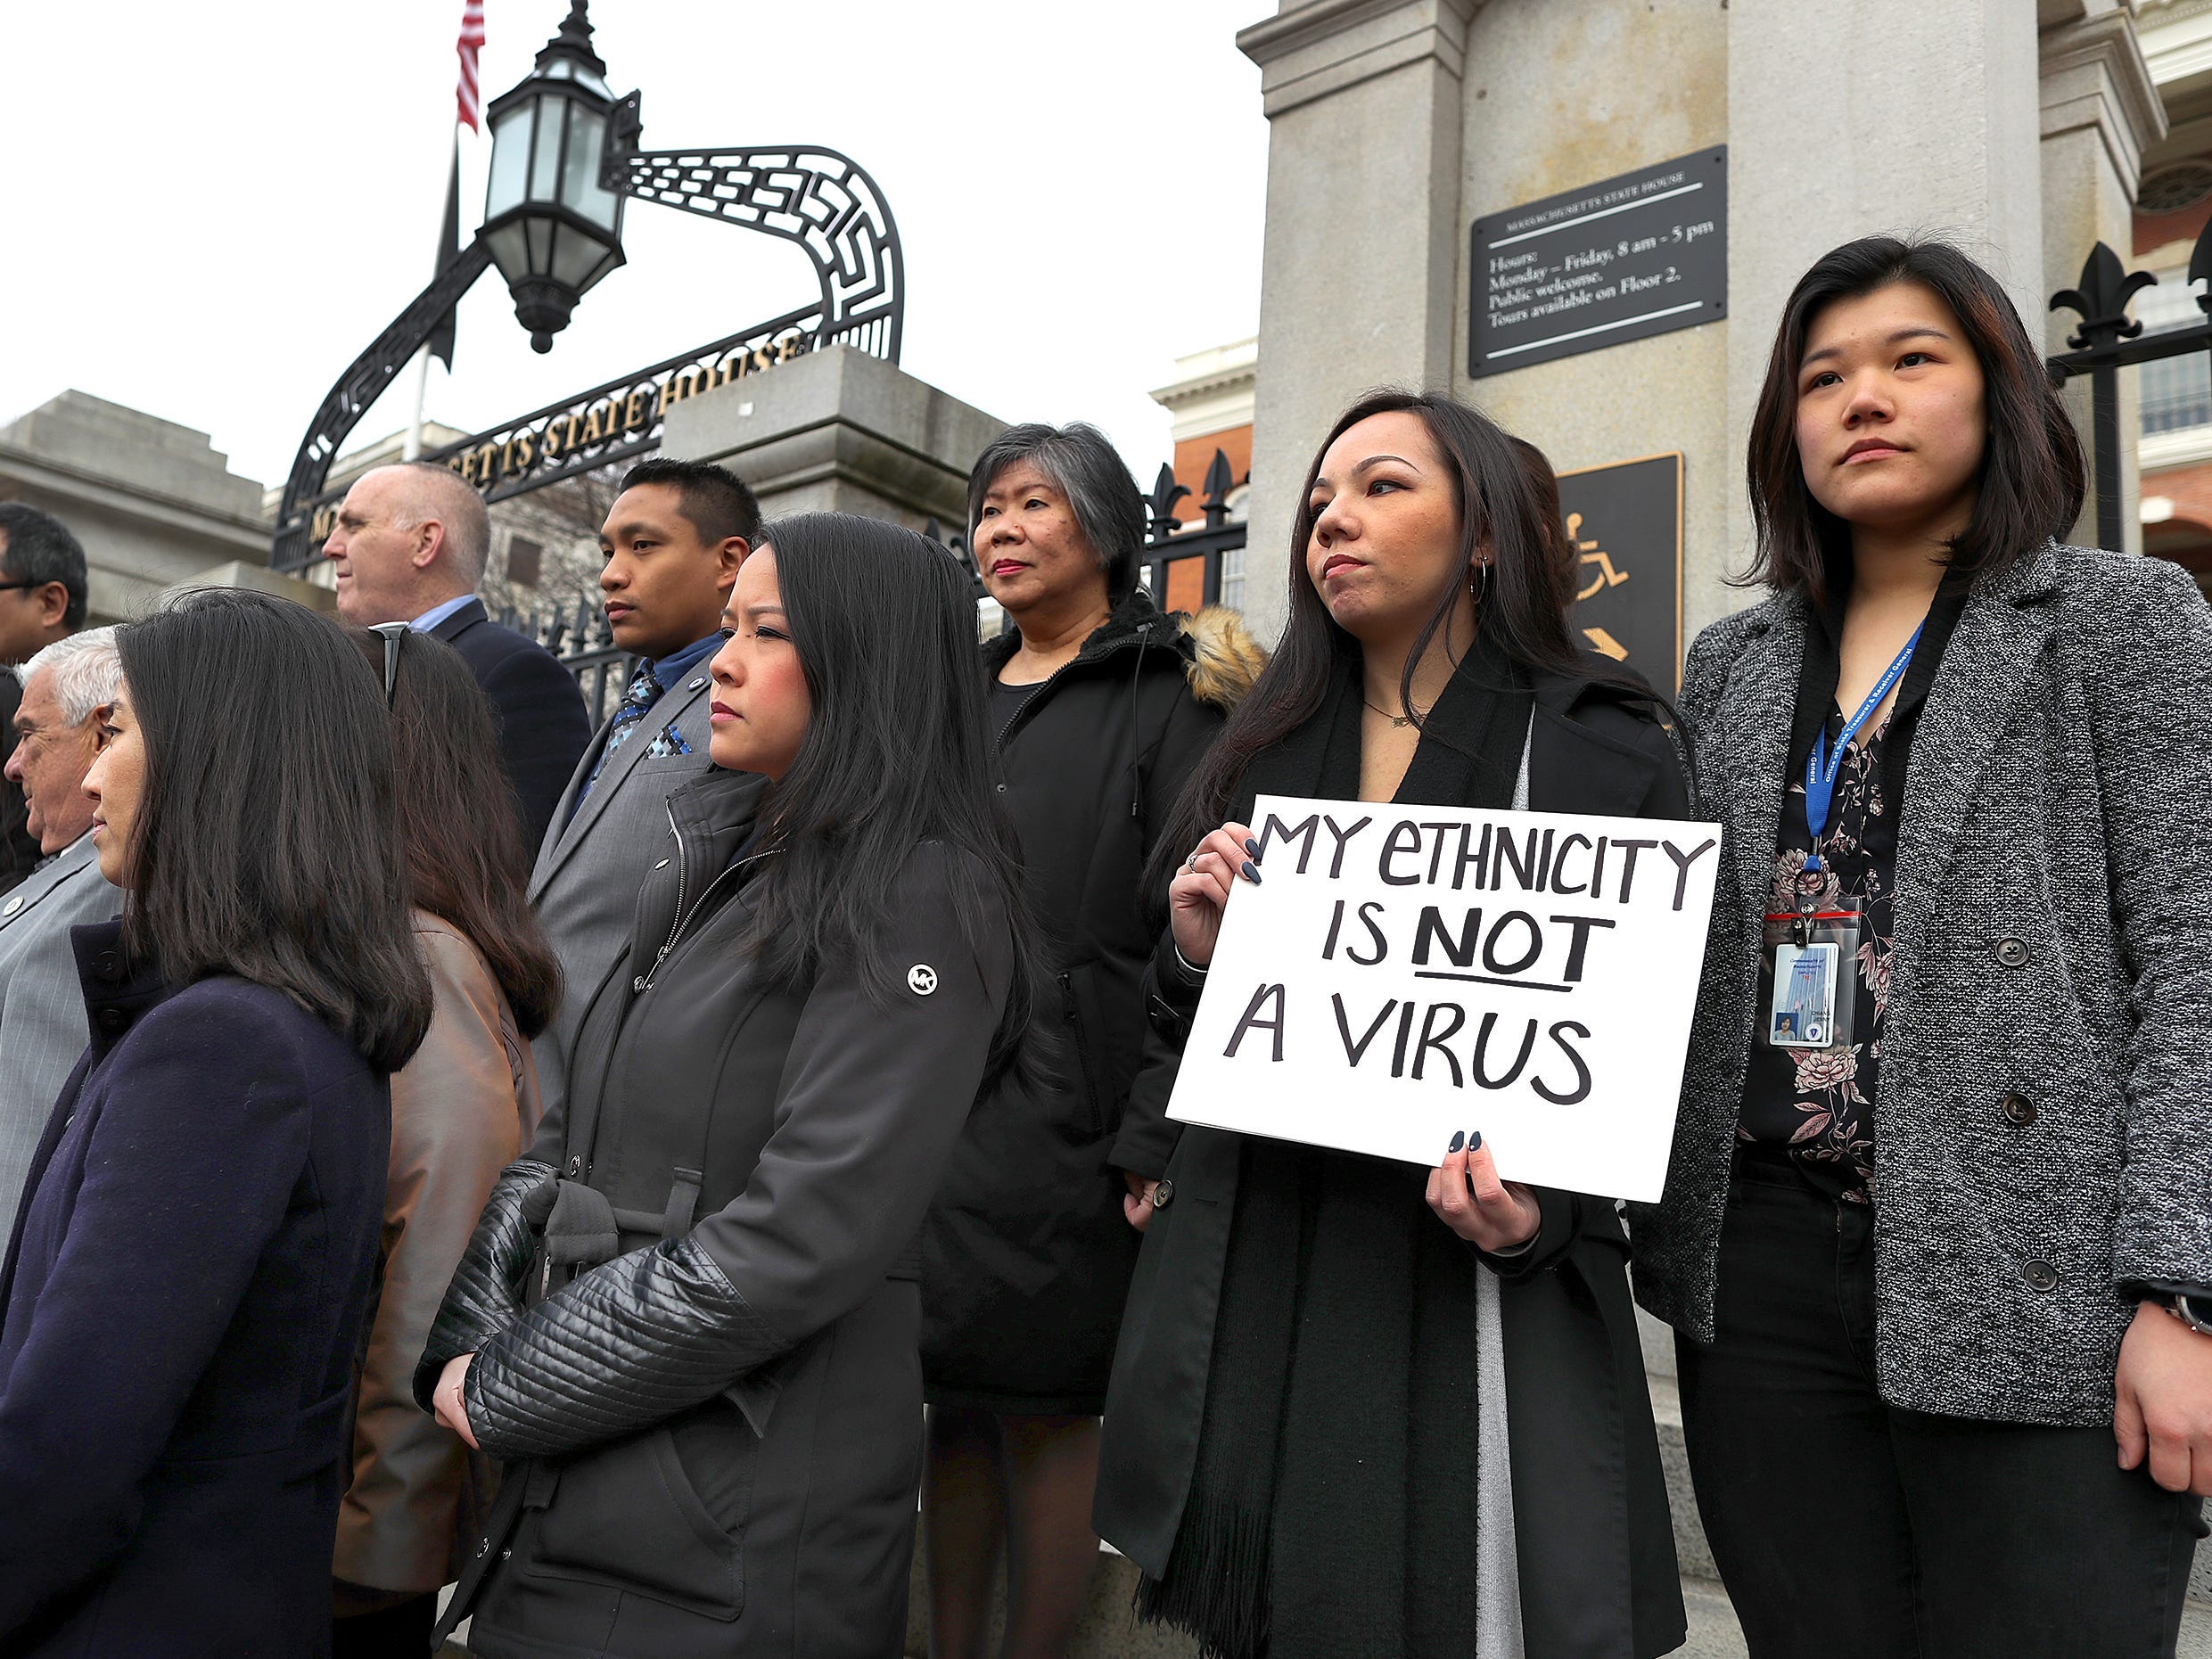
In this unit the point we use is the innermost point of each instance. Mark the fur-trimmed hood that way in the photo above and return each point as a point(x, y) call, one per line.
point(1225, 660)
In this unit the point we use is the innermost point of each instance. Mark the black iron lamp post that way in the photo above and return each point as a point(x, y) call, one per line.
point(565, 155)
point(553, 228)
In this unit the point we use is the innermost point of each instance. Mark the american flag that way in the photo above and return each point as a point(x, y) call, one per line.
point(471, 42)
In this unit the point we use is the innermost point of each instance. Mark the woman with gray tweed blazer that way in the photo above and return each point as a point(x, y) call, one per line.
point(1941, 1181)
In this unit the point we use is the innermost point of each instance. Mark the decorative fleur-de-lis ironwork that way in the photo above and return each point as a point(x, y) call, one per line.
point(2200, 268)
point(2100, 299)
point(956, 545)
point(1220, 480)
point(1165, 494)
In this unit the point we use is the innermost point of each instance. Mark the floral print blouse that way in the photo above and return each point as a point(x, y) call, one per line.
point(1819, 1104)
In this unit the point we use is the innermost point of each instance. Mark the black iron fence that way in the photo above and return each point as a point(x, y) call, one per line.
point(2109, 341)
point(585, 644)
point(1210, 549)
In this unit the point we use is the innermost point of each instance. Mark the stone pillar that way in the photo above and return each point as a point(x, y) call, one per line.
point(2099, 112)
point(1358, 269)
point(837, 431)
point(1923, 115)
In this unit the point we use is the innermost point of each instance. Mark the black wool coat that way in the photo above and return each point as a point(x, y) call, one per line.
point(1026, 1255)
point(184, 1298)
point(711, 1425)
point(543, 728)
point(1594, 1542)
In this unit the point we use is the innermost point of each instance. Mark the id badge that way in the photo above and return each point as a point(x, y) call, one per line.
point(1806, 973)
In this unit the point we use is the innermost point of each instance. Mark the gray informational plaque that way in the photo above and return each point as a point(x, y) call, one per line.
point(1618, 261)
point(1626, 521)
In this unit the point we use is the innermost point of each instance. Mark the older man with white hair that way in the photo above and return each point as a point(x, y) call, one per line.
point(67, 688)
point(409, 548)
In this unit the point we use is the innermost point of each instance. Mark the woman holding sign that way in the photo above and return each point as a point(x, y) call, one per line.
point(1939, 1224)
point(1359, 1407)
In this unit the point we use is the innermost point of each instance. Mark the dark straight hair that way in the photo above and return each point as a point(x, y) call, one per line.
point(266, 843)
point(1104, 500)
point(458, 822)
point(896, 753)
point(36, 547)
point(718, 502)
point(1523, 604)
point(2030, 485)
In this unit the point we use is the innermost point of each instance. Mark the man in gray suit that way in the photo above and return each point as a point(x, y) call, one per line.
point(673, 541)
point(67, 688)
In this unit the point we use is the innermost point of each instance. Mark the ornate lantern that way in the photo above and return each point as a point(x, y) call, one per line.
point(552, 229)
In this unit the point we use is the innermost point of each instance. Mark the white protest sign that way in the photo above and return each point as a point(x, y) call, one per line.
point(1403, 972)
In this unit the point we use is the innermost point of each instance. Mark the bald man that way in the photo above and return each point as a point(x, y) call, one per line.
point(409, 546)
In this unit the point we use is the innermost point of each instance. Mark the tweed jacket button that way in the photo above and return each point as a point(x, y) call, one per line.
point(2012, 953)
point(2019, 1109)
point(2041, 1276)
point(12, 906)
point(1163, 1194)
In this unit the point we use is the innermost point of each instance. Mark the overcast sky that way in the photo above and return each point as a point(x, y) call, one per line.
point(209, 210)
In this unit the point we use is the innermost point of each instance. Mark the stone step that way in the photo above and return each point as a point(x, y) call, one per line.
point(1108, 1630)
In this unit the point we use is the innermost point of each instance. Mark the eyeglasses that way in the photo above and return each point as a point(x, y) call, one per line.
point(11, 586)
point(391, 634)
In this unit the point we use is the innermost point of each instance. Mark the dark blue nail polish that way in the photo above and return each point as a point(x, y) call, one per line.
point(1252, 872)
point(1458, 1141)
point(1252, 847)
point(1473, 1140)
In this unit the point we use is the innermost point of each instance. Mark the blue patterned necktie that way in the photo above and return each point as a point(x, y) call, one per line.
point(644, 691)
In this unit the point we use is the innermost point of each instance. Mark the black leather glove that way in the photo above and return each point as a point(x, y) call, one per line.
point(486, 1295)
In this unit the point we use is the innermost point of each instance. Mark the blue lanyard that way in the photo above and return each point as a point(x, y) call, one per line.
point(1820, 774)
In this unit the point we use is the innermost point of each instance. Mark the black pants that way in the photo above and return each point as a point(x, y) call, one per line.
point(1847, 1527)
point(396, 1632)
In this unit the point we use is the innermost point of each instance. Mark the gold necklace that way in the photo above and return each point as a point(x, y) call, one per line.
point(1395, 719)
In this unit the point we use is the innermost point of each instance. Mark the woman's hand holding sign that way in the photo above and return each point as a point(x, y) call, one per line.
point(1200, 890)
point(1490, 1214)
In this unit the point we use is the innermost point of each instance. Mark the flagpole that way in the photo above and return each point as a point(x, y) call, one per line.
point(412, 448)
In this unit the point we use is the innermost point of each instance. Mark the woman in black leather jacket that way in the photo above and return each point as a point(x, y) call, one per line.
point(711, 1406)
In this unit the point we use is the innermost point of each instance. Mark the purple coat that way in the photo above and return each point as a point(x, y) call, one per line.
point(179, 1312)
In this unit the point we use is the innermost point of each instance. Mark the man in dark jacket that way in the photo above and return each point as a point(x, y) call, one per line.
point(42, 599)
point(409, 546)
point(673, 539)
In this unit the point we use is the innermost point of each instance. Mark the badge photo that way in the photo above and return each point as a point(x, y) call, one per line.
point(1804, 1011)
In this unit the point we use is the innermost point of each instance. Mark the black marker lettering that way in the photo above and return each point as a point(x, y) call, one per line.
point(1683, 861)
point(1392, 848)
point(1382, 945)
point(1431, 1037)
point(1431, 929)
point(1558, 870)
point(1251, 1021)
point(1482, 1049)
point(1437, 849)
point(1356, 1052)
point(1405, 1031)
point(1582, 924)
point(1337, 863)
point(1275, 830)
point(1575, 1096)
point(1497, 928)
point(1628, 849)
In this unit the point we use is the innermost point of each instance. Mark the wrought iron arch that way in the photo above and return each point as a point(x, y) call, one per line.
point(816, 197)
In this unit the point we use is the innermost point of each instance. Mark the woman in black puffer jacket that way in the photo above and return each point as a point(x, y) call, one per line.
point(711, 1408)
point(1101, 707)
